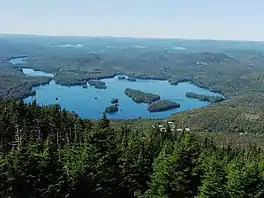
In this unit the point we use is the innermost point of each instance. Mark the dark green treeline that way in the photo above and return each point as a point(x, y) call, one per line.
point(48, 152)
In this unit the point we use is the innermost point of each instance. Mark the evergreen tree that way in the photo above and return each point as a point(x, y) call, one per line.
point(104, 122)
point(214, 178)
point(244, 180)
point(179, 172)
point(49, 152)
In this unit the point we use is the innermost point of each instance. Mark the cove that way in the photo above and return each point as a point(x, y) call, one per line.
point(27, 71)
point(90, 103)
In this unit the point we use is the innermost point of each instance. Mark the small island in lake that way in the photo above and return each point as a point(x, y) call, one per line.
point(98, 84)
point(141, 97)
point(114, 101)
point(162, 105)
point(121, 77)
point(131, 79)
point(211, 99)
point(111, 109)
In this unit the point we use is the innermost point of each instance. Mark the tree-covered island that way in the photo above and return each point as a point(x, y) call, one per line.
point(98, 84)
point(121, 77)
point(141, 97)
point(115, 101)
point(111, 109)
point(201, 97)
point(162, 105)
point(131, 79)
point(50, 152)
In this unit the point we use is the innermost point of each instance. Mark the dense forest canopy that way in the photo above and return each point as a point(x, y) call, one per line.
point(141, 97)
point(162, 105)
point(49, 152)
point(201, 97)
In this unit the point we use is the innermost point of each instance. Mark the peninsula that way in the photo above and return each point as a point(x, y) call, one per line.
point(111, 109)
point(98, 84)
point(201, 97)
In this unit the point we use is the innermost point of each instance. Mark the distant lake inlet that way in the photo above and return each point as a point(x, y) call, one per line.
point(27, 71)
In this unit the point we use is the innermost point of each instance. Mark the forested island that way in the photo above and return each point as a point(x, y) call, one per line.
point(115, 101)
point(211, 99)
point(111, 109)
point(121, 77)
point(162, 105)
point(98, 84)
point(131, 79)
point(49, 152)
point(141, 97)
point(153, 100)
point(68, 81)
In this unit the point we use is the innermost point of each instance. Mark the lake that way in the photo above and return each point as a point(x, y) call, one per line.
point(83, 102)
point(27, 71)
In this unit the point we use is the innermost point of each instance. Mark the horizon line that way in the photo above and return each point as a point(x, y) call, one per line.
point(132, 37)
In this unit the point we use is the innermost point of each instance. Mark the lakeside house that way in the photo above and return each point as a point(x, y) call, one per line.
point(172, 126)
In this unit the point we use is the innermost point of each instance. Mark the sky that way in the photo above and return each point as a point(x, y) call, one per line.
point(191, 19)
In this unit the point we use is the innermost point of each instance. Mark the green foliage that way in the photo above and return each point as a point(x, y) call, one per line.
point(14, 84)
point(162, 105)
point(211, 99)
point(244, 180)
point(177, 175)
point(98, 84)
point(214, 178)
point(111, 109)
point(231, 68)
point(49, 152)
point(141, 97)
point(222, 119)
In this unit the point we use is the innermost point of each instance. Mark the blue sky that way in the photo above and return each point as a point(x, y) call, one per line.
point(210, 19)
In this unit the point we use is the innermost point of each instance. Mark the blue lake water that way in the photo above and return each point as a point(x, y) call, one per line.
point(83, 102)
point(28, 71)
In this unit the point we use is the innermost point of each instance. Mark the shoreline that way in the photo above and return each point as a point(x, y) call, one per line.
point(32, 92)
point(200, 86)
point(13, 57)
point(84, 81)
